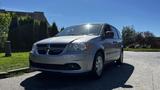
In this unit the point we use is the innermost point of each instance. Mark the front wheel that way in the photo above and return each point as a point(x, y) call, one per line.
point(120, 60)
point(98, 65)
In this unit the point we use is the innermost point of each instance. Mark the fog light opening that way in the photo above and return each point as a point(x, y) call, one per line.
point(73, 66)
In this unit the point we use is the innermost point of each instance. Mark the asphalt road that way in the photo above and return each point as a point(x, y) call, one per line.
point(141, 71)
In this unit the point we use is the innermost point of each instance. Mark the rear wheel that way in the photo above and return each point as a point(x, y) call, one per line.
point(120, 60)
point(98, 65)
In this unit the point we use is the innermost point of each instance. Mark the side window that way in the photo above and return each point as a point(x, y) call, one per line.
point(106, 28)
point(115, 33)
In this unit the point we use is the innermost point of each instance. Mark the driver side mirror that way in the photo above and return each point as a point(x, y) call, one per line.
point(109, 34)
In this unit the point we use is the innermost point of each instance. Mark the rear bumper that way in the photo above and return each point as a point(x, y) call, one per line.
point(63, 63)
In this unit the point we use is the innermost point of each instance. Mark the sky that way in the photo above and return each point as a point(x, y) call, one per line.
point(144, 15)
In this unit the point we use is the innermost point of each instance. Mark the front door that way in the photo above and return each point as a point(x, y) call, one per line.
point(108, 45)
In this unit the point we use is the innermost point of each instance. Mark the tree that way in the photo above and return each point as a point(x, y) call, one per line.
point(43, 30)
point(140, 39)
point(62, 29)
point(26, 37)
point(53, 30)
point(36, 27)
point(5, 20)
point(12, 34)
point(148, 38)
point(24, 31)
point(128, 35)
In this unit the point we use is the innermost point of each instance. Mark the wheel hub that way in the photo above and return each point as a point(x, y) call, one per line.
point(99, 65)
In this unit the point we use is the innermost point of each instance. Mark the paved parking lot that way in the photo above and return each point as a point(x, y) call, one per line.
point(141, 71)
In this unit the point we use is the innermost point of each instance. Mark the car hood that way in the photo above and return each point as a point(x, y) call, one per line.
point(66, 39)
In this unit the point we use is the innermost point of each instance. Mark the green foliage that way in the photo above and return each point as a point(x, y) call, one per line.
point(62, 29)
point(36, 30)
point(25, 31)
point(53, 30)
point(148, 37)
point(140, 38)
point(22, 31)
point(13, 28)
point(5, 19)
point(134, 39)
point(128, 35)
point(145, 39)
point(43, 30)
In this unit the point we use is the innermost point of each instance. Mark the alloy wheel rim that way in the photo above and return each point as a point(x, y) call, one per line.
point(99, 65)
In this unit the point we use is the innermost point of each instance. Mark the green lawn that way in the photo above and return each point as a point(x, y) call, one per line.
point(17, 60)
point(142, 49)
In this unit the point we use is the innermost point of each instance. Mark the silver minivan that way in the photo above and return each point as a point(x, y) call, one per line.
point(78, 49)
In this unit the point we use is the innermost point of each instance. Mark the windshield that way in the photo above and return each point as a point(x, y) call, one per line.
point(86, 29)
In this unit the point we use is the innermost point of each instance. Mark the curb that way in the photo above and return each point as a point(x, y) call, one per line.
point(14, 72)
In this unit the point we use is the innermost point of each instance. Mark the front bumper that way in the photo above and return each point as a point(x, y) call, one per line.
point(62, 63)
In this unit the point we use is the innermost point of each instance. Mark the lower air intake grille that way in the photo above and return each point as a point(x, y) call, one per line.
point(50, 49)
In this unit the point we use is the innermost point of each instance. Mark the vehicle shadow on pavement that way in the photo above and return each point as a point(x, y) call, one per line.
point(113, 77)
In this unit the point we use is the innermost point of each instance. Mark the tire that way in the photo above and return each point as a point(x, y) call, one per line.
point(120, 60)
point(98, 64)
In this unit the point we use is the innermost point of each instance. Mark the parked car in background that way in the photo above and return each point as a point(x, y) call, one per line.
point(78, 49)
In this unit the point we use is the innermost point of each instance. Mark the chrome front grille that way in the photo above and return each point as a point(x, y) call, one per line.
point(50, 49)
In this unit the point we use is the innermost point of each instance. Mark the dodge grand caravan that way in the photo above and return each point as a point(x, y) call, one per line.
point(78, 49)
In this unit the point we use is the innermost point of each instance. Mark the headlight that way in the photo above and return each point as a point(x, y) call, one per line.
point(77, 47)
point(34, 47)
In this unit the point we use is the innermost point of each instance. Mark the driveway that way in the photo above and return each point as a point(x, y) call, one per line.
point(141, 71)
